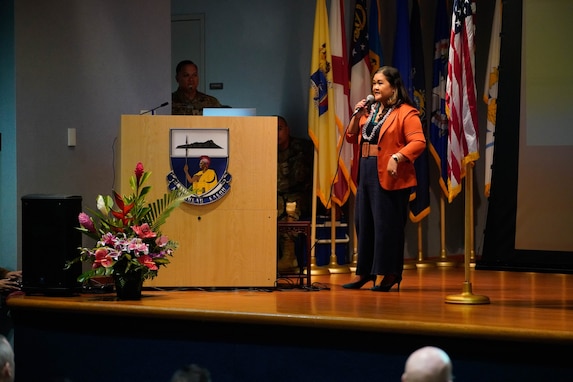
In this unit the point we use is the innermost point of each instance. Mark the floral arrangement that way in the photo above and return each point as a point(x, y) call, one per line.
point(127, 231)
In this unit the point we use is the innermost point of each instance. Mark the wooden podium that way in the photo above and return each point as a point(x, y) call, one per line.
point(227, 243)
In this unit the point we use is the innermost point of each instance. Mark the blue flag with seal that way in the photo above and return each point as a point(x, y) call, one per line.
point(420, 197)
point(439, 120)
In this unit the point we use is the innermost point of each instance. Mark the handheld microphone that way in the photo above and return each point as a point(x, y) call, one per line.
point(369, 102)
point(155, 108)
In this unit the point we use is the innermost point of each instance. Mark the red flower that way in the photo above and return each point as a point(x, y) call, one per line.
point(144, 231)
point(148, 262)
point(124, 209)
point(102, 258)
point(139, 171)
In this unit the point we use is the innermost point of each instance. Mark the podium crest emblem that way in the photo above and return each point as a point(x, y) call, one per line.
point(199, 161)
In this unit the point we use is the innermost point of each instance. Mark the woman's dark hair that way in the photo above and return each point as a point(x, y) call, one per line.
point(395, 79)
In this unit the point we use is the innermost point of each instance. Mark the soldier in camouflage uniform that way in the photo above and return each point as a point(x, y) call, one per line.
point(294, 184)
point(187, 100)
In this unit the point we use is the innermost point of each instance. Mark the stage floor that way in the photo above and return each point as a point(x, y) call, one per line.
point(524, 333)
point(522, 306)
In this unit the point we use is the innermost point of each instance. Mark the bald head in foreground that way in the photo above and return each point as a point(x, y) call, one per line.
point(428, 364)
point(7, 367)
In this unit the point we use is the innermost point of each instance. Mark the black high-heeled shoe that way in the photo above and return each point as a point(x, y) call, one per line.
point(360, 283)
point(387, 283)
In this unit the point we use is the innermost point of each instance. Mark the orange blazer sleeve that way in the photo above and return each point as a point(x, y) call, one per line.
point(401, 133)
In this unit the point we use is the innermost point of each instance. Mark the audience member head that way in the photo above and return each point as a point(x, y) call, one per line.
point(428, 364)
point(7, 366)
point(191, 373)
point(283, 133)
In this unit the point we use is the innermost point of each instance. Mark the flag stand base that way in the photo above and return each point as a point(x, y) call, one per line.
point(467, 297)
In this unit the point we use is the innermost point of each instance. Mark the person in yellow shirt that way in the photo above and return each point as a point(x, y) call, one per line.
point(204, 179)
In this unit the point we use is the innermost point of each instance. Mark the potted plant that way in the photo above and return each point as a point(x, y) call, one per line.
point(129, 244)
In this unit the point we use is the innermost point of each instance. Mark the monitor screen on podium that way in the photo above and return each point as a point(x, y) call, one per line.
point(229, 112)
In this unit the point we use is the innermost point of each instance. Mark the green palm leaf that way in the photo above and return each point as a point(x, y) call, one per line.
point(160, 210)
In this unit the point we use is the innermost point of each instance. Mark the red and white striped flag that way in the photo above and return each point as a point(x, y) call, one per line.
point(461, 98)
point(360, 71)
point(340, 73)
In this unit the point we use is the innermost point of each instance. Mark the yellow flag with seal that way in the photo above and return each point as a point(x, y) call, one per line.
point(321, 115)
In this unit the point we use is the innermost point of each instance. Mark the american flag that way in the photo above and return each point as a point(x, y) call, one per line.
point(461, 99)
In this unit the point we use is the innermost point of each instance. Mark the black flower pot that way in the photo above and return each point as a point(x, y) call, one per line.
point(128, 285)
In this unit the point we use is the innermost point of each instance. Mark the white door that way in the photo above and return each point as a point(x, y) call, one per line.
point(188, 43)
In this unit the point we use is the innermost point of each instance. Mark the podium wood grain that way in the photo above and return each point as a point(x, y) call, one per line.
point(228, 243)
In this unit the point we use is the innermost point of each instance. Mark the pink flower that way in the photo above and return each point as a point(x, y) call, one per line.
point(162, 241)
point(144, 231)
point(108, 239)
point(139, 171)
point(102, 258)
point(86, 222)
point(137, 246)
point(148, 262)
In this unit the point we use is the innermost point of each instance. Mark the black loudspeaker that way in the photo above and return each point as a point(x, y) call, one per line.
point(49, 239)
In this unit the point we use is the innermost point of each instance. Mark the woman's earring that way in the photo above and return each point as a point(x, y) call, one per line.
point(393, 98)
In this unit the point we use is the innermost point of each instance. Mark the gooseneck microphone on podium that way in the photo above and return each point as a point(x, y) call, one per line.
point(152, 111)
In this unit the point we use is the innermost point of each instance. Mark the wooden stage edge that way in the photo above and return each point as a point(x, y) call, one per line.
point(523, 306)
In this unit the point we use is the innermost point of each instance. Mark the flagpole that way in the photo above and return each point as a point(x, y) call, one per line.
point(413, 264)
point(334, 267)
point(443, 261)
point(352, 228)
point(467, 297)
point(321, 120)
point(313, 268)
point(421, 263)
point(471, 211)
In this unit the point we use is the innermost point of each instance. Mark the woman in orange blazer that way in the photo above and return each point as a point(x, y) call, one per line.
point(390, 136)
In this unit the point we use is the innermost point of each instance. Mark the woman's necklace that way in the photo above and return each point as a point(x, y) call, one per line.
point(377, 126)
